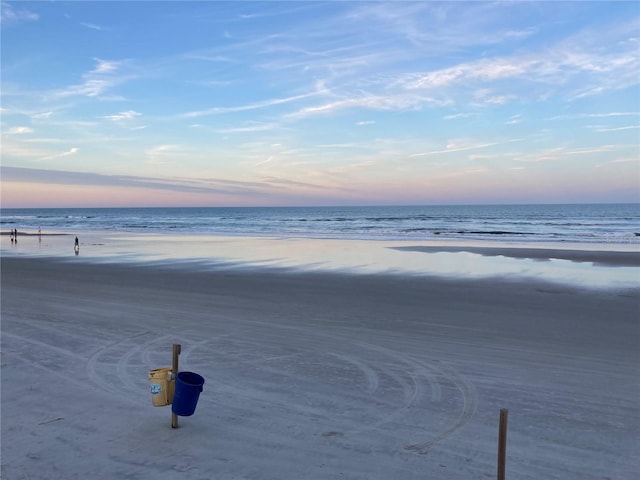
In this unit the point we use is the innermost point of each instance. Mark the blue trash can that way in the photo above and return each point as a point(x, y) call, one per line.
point(185, 397)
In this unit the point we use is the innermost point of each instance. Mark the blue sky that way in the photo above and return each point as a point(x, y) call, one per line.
point(319, 103)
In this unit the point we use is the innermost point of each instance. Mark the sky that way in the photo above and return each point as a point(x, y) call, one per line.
point(160, 103)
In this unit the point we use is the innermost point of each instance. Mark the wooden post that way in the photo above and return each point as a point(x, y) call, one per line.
point(502, 443)
point(174, 374)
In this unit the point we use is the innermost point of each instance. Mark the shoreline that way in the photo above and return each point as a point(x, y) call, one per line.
point(317, 374)
point(594, 266)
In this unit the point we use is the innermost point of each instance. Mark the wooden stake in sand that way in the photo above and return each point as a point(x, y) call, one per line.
point(174, 374)
point(502, 443)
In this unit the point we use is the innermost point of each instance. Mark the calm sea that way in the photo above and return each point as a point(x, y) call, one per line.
point(599, 223)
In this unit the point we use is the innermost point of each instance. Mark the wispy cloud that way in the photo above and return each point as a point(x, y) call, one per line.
point(44, 140)
point(265, 161)
point(455, 116)
point(97, 81)
point(487, 97)
point(617, 129)
point(234, 188)
point(514, 120)
point(242, 108)
point(464, 172)
point(558, 153)
point(587, 150)
point(258, 127)
point(483, 70)
point(170, 184)
point(595, 115)
point(8, 14)
point(92, 26)
point(162, 154)
point(106, 66)
point(400, 102)
point(123, 116)
point(41, 116)
point(339, 145)
point(556, 67)
point(19, 130)
point(72, 151)
point(210, 58)
point(454, 146)
point(278, 183)
point(431, 25)
point(619, 161)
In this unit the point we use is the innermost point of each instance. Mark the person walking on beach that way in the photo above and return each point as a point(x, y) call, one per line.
point(15, 235)
point(11, 235)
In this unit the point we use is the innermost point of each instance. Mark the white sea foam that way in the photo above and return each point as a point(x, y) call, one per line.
point(590, 224)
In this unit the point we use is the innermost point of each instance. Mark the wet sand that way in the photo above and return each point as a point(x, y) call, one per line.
point(597, 266)
point(596, 257)
point(314, 375)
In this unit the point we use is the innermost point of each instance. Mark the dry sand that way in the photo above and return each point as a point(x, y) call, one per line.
point(314, 375)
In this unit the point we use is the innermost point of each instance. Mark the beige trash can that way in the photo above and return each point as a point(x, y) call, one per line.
point(161, 386)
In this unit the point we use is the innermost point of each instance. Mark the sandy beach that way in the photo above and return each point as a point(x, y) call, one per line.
point(314, 375)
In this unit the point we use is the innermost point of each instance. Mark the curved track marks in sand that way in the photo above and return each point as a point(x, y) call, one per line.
point(43, 345)
point(350, 388)
point(438, 377)
point(357, 388)
point(369, 373)
point(109, 369)
point(469, 407)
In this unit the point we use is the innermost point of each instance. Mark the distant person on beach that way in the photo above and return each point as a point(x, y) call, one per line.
point(15, 235)
point(77, 243)
point(11, 235)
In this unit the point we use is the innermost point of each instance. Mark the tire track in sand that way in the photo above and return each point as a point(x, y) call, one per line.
point(466, 390)
point(469, 407)
point(102, 381)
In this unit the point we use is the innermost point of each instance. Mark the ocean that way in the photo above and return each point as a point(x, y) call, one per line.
point(580, 223)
